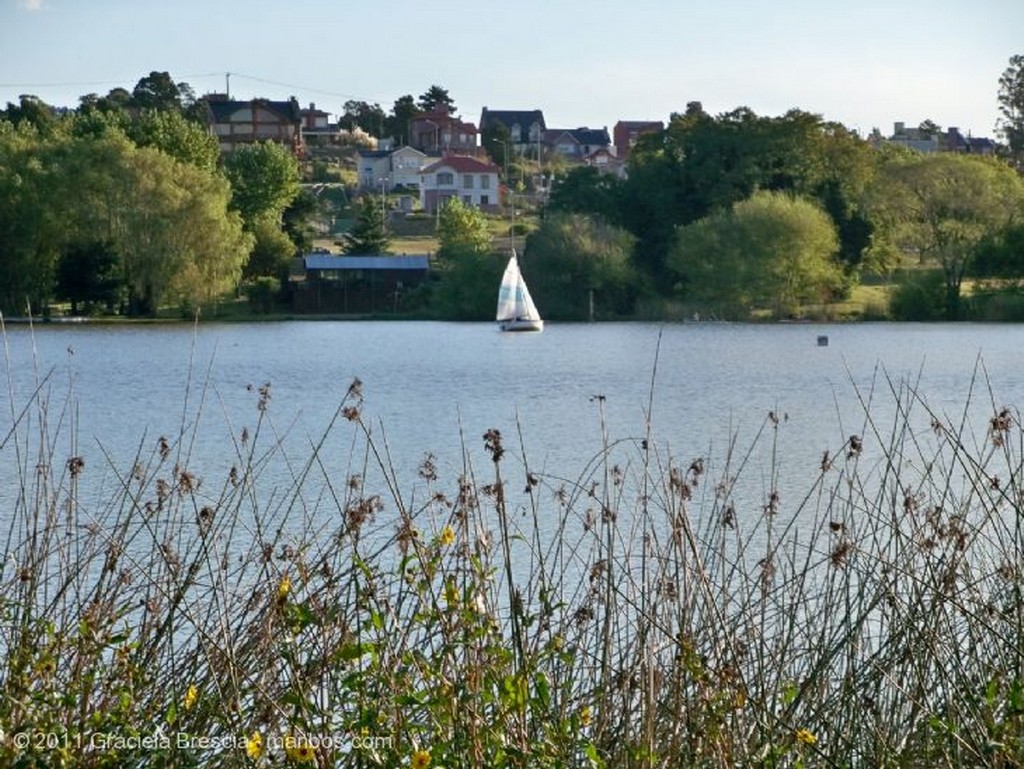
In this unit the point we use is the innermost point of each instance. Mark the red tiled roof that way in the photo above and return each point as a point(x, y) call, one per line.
point(463, 165)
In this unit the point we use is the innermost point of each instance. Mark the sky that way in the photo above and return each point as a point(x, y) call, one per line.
point(864, 64)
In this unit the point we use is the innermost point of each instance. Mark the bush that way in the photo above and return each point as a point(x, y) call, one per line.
point(919, 296)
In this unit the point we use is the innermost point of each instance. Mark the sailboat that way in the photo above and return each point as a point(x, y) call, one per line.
point(516, 310)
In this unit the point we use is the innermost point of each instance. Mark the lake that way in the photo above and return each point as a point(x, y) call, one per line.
point(111, 391)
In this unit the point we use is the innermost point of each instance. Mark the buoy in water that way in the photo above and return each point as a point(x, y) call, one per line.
point(822, 341)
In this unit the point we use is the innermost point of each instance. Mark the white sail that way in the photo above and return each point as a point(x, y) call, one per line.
point(516, 310)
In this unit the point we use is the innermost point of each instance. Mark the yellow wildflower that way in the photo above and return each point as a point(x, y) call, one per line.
point(421, 759)
point(447, 535)
point(254, 746)
point(585, 715)
point(191, 696)
point(301, 753)
point(451, 592)
point(805, 736)
point(284, 587)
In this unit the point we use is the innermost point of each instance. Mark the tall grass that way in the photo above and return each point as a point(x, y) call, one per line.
point(651, 611)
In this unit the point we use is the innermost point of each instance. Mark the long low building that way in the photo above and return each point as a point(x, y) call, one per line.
point(325, 283)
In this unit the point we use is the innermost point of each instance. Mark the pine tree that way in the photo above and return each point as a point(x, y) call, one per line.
point(369, 234)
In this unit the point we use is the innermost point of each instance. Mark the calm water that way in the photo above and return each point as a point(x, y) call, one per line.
point(429, 387)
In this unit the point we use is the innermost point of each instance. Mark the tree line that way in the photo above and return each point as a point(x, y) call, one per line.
point(125, 203)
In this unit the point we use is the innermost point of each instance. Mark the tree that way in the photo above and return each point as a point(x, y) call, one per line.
point(170, 132)
point(264, 180)
point(397, 123)
point(942, 206)
point(158, 91)
point(272, 251)
point(436, 99)
point(573, 258)
point(462, 230)
point(34, 111)
point(1011, 106)
point(586, 190)
point(360, 114)
point(30, 242)
point(369, 234)
point(89, 274)
point(773, 251)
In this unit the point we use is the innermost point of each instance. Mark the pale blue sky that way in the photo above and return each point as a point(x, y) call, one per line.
point(864, 63)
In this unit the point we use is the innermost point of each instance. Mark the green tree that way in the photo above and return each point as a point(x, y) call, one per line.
point(264, 180)
point(586, 190)
point(30, 239)
point(397, 123)
point(369, 233)
point(572, 258)
point(942, 206)
point(271, 254)
point(159, 92)
point(1011, 107)
point(360, 114)
point(436, 99)
point(462, 230)
point(773, 251)
point(170, 132)
point(88, 274)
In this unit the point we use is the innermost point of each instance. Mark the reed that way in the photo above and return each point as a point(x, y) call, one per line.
point(650, 611)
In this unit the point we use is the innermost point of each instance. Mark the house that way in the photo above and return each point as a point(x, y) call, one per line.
point(322, 283)
point(576, 143)
point(244, 122)
point(525, 127)
point(956, 142)
point(606, 162)
point(472, 180)
point(391, 168)
point(440, 132)
point(317, 129)
point(626, 132)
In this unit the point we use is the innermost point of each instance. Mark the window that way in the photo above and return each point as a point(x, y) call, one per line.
point(485, 200)
point(485, 182)
point(467, 181)
point(446, 179)
point(467, 199)
point(516, 133)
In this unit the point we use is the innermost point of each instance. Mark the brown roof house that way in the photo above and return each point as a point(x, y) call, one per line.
point(474, 181)
point(246, 122)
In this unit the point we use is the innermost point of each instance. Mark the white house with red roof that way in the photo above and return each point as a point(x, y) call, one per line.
point(474, 181)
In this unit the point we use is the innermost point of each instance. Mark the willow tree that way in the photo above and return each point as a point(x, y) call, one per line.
point(941, 207)
point(773, 251)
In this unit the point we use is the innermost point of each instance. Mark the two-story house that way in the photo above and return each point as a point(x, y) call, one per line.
point(245, 122)
point(525, 127)
point(576, 143)
point(474, 181)
point(626, 132)
point(440, 132)
point(389, 168)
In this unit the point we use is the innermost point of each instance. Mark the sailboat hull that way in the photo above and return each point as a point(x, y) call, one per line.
point(521, 324)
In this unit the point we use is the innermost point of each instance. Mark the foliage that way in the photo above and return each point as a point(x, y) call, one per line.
point(571, 258)
point(772, 251)
point(920, 295)
point(584, 189)
point(88, 273)
point(1011, 107)
point(363, 115)
point(436, 99)
point(462, 230)
point(157, 91)
point(941, 207)
point(271, 254)
point(630, 617)
point(468, 286)
point(264, 180)
point(1000, 254)
point(397, 123)
point(182, 139)
point(300, 217)
point(369, 234)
